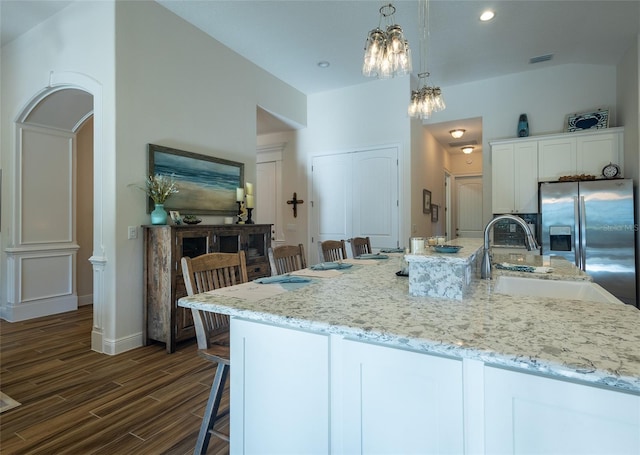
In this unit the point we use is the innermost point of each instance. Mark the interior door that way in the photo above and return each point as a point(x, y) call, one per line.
point(267, 186)
point(356, 194)
point(331, 192)
point(469, 207)
point(375, 197)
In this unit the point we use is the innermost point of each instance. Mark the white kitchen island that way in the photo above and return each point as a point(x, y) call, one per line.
point(354, 364)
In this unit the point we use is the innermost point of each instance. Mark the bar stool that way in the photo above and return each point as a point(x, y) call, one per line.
point(201, 274)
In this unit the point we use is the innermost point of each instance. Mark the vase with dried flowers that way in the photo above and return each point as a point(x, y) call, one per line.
point(159, 188)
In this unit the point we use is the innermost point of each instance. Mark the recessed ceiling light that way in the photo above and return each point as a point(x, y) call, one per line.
point(487, 16)
point(467, 150)
point(457, 133)
point(324, 64)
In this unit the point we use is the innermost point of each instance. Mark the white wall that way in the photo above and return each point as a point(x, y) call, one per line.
point(628, 83)
point(461, 164)
point(172, 89)
point(427, 172)
point(84, 212)
point(294, 179)
point(75, 44)
point(179, 88)
point(357, 118)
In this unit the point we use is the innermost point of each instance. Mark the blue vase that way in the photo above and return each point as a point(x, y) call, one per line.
point(159, 215)
point(523, 126)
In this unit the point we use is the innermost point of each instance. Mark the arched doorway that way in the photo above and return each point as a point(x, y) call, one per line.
point(42, 257)
point(53, 205)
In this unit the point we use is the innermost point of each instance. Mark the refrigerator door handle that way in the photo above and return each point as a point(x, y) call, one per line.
point(583, 235)
point(576, 232)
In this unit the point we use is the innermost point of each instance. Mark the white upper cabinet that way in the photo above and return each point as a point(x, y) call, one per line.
point(517, 165)
point(596, 151)
point(515, 177)
point(556, 157)
point(579, 153)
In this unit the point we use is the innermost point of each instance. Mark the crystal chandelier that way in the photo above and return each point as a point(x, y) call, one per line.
point(428, 98)
point(386, 52)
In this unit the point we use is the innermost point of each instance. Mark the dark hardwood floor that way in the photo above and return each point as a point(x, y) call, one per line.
point(76, 401)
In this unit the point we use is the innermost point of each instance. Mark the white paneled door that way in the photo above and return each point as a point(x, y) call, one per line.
point(356, 195)
point(469, 207)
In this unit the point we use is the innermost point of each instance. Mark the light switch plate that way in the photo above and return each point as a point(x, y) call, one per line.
point(132, 233)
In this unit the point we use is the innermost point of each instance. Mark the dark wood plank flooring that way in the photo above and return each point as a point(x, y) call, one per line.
point(76, 401)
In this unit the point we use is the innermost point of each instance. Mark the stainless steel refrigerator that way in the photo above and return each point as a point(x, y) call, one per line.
point(591, 223)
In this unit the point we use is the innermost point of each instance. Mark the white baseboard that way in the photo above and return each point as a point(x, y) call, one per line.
point(115, 347)
point(38, 308)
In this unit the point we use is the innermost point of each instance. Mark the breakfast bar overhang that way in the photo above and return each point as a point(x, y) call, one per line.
point(355, 364)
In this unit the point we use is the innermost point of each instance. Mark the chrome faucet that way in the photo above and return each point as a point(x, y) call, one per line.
point(485, 272)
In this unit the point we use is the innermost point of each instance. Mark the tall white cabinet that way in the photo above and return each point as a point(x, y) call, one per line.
point(519, 164)
point(515, 177)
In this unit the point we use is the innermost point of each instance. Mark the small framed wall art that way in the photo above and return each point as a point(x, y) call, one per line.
point(426, 201)
point(434, 213)
point(175, 217)
point(588, 121)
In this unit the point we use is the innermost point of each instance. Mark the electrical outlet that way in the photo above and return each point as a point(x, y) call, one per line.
point(132, 232)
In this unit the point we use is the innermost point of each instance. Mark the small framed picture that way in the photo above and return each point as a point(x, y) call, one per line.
point(434, 213)
point(175, 217)
point(426, 201)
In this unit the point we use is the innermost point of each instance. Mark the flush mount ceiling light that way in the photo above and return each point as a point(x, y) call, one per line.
point(428, 98)
point(386, 52)
point(457, 133)
point(467, 150)
point(487, 15)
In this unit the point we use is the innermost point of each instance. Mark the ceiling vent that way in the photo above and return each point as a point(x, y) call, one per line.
point(462, 144)
point(540, 58)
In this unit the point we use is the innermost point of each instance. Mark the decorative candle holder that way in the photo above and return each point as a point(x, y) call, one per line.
point(249, 220)
point(239, 215)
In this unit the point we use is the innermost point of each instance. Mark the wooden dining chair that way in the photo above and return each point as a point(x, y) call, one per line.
point(360, 245)
point(286, 258)
point(332, 250)
point(201, 274)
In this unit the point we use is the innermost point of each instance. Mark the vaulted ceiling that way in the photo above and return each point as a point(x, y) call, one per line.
point(290, 38)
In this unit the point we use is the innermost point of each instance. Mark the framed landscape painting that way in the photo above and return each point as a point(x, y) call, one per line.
point(206, 185)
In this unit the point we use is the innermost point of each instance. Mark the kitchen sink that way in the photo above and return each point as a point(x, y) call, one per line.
point(571, 290)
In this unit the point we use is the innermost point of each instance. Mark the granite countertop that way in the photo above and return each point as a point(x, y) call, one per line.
point(562, 269)
point(469, 248)
point(597, 343)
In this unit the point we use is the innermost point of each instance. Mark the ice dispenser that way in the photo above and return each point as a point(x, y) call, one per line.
point(560, 238)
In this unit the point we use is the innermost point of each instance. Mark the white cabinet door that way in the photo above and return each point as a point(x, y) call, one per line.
point(556, 157)
point(375, 197)
point(594, 152)
point(514, 177)
point(531, 414)
point(400, 402)
point(502, 178)
point(526, 180)
point(279, 390)
point(356, 195)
